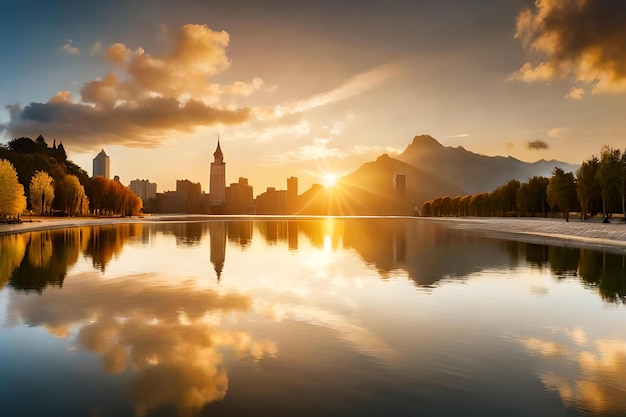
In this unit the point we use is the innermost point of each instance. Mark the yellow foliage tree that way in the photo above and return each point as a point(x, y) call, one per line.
point(12, 198)
point(41, 192)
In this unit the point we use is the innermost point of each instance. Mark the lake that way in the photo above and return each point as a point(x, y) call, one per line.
point(323, 317)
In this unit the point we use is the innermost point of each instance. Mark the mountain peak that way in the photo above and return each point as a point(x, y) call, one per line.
point(426, 141)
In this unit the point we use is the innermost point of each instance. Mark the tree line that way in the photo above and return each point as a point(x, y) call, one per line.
point(39, 178)
point(597, 187)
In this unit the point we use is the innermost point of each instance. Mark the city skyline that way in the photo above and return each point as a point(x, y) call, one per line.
point(307, 89)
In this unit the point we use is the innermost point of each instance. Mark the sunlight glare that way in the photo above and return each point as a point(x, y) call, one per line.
point(329, 179)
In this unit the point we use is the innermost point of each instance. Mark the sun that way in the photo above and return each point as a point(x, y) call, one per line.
point(329, 179)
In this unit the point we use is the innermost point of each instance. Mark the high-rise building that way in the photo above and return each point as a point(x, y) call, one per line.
point(239, 197)
point(143, 189)
point(190, 192)
point(217, 181)
point(292, 194)
point(102, 165)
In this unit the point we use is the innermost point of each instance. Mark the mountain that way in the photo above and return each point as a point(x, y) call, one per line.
point(473, 172)
point(430, 170)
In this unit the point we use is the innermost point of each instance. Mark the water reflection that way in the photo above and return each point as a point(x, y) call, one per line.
point(48, 256)
point(425, 252)
point(596, 381)
point(334, 297)
point(162, 333)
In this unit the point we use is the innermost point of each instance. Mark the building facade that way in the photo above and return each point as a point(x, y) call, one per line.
point(143, 189)
point(240, 197)
point(292, 194)
point(102, 165)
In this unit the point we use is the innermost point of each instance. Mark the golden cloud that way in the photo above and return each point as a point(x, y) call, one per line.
point(580, 40)
point(118, 53)
point(153, 96)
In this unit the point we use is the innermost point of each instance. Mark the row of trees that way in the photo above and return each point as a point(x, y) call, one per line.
point(35, 176)
point(68, 194)
point(599, 186)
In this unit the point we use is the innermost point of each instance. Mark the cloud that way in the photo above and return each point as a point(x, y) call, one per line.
point(558, 132)
point(537, 144)
point(71, 49)
point(575, 93)
point(153, 95)
point(118, 53)
point(138, 124)
point(95, 47)
point(578, 40)
point(316, 150)
point(356, 85)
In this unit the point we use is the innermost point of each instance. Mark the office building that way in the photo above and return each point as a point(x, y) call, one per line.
point(102, 165)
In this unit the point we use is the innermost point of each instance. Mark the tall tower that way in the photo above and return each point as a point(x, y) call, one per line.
point(217, 182)
point(102, 165)
point(292, 194)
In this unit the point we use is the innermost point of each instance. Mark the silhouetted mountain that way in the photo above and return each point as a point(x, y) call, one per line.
point(470, 171)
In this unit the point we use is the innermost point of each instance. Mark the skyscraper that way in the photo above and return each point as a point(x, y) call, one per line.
point(292, 194)
point(217, 181)
point(102, 165)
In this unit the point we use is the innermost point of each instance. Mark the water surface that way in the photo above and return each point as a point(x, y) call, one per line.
point(329, 317)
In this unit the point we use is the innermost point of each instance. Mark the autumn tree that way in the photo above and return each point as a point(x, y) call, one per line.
point(41, 192)
point(70, 196)
point(562, 191)
point(587, 186)
point(610, 179)
point(12, 199)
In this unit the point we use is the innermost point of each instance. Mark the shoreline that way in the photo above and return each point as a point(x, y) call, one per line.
point(551, 231)
point(589, 233)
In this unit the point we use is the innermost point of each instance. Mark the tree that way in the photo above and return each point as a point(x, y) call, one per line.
point(41, 192)
point(562, 191)
point(12, 199)
point(537, 190)
point(522, 199)
point(70, 196)
point(587, 187)
point(609, 177)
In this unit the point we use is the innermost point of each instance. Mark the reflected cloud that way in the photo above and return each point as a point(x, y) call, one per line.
point(160, 333)
point(597, 384)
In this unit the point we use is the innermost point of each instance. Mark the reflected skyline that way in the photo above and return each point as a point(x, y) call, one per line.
point(425, 252)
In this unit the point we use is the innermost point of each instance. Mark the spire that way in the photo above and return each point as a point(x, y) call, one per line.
point(218, 155)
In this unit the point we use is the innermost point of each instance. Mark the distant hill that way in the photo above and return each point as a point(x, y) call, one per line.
point(470, 171)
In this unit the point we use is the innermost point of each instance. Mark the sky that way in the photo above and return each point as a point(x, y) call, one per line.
point(302, 88)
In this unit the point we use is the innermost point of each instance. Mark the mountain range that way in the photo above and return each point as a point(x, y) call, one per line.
point(430, 170)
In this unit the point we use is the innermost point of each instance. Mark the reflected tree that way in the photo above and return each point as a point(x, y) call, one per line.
point(49, 255)
point(564, 261)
